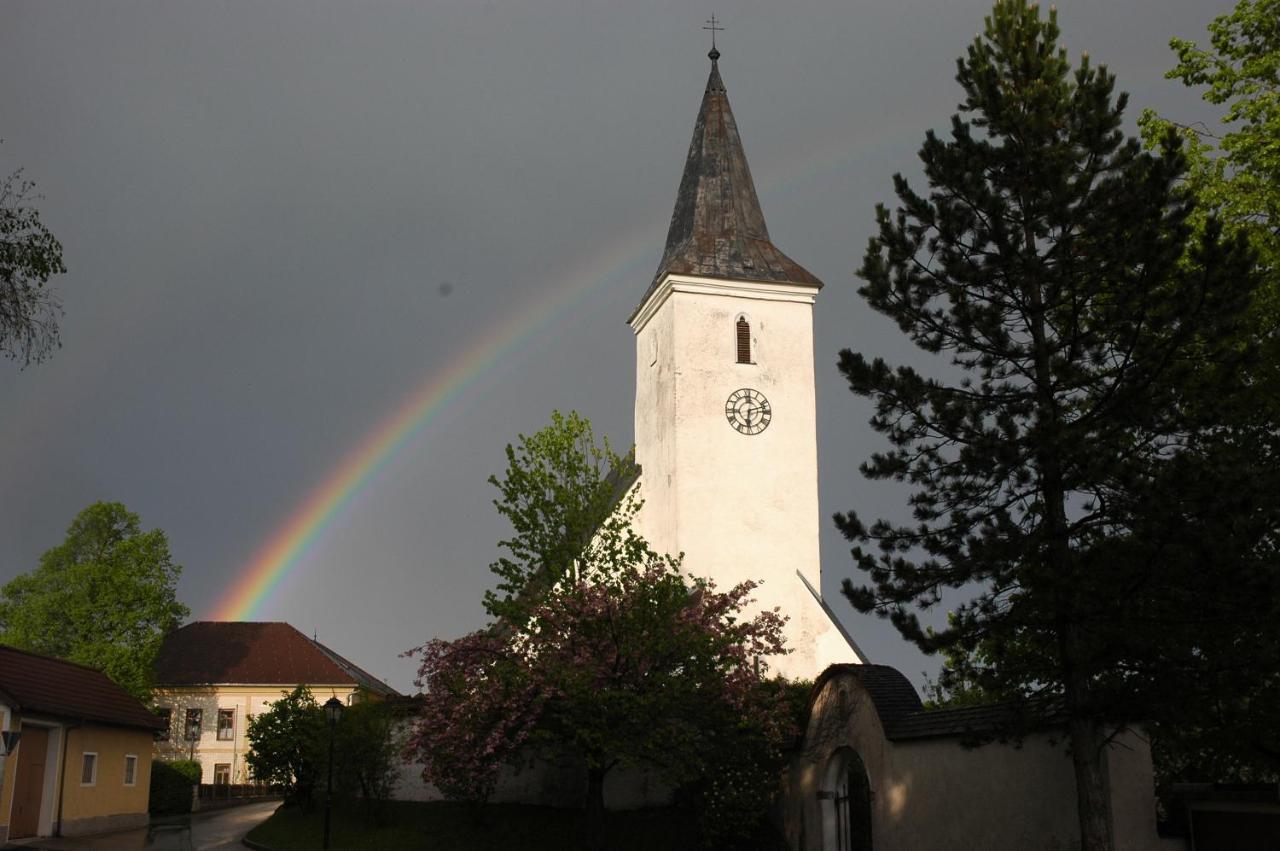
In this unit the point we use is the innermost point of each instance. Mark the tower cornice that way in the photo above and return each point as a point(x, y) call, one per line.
point(732, 288)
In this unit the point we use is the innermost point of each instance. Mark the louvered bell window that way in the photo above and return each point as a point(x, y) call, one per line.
point(744, 341)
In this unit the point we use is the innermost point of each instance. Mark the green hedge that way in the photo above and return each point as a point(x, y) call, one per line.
point(171, 784)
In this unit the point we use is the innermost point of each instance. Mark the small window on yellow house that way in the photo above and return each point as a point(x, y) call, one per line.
point(222, 774)
point(130, 769)
point(89, 769)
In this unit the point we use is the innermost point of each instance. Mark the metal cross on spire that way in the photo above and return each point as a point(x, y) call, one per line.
point(711, 25)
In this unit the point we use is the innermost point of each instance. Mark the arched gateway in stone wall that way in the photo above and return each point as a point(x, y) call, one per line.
point(875, 770)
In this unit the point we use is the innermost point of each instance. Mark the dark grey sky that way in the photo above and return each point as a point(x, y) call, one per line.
point(282, 219)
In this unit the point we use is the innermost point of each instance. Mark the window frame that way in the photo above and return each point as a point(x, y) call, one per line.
point(197, 713)
point(742, 341)
point(165, 712)
point(226, 712)
point(131, 778)
point(85, 756)
point(225, 765)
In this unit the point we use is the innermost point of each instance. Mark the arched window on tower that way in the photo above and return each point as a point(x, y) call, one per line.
point(744, 340)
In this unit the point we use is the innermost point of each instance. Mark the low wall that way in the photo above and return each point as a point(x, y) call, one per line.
point(202, 805)
point(549, 782)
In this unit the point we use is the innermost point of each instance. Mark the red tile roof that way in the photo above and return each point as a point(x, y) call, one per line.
point(46, 686)
point(248, 653)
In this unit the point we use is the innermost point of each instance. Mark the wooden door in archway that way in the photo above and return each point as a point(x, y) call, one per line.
point(29, 782)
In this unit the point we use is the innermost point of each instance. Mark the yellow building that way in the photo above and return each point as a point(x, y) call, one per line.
point(212, 675)
point(76, 753)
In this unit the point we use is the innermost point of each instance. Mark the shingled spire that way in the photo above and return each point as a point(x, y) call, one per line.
point(717, 229)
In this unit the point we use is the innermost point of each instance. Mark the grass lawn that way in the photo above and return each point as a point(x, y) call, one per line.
point(447, 826)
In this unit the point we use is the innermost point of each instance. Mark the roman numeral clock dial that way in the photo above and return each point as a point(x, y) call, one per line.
point(748, 411)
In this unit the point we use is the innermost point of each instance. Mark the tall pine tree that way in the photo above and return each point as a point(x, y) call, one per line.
point(1072, 470)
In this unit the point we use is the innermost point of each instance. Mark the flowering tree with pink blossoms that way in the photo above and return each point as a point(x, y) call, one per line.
point(649, 667)
point(614, 655)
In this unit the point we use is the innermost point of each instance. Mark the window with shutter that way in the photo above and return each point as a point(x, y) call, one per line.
point(744, 341)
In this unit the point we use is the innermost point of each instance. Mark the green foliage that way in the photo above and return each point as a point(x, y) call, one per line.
point(571, 518)
point(105, 597)
point(959, 682)
point(366, 755)
point(1235, 175)
point(736, 781)
point(171, 784)
point(1241, 70)
point(1235, 178)
point(1086, 462)
point(29, 255)
point(287, 744)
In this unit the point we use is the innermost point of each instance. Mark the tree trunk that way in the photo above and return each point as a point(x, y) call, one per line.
point(1083, 729)
point(595, 808)
point(1093, 803)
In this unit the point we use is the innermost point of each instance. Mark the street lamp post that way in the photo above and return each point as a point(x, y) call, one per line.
point(332, 713)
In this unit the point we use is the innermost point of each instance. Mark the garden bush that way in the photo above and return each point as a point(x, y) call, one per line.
point(171, 784)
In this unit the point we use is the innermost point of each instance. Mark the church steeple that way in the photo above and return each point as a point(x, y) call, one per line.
point(717, 229)
point(726, 415)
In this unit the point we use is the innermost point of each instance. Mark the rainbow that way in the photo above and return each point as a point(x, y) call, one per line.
point(619, 262)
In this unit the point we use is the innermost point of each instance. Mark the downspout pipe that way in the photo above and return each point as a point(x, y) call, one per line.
point(62, 779)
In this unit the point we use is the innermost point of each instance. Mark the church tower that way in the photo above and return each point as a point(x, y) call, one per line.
point(725, 418)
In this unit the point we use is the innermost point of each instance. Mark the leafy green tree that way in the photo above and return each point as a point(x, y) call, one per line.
point(1081, 458)
point(104, 597)
point(959, 681)
point(1234, 175)
point(287, 744)
point(366, 754)
point(29, 255)
point(289, 747)
point(570, 506)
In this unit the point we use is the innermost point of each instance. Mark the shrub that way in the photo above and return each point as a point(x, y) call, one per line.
point(366, 755)
point(171, 784)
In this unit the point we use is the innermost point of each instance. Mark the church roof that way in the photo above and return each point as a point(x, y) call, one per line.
point(717, 228)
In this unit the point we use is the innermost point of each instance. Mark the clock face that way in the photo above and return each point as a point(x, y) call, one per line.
point(748, 411)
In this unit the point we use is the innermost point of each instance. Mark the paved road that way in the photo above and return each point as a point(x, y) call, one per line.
point(220, 830)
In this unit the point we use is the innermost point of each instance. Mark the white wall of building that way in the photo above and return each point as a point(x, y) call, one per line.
point(738, 506)
point(532, 779)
